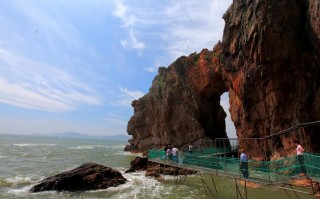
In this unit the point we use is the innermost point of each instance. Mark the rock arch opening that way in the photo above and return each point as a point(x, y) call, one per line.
point(225, 103)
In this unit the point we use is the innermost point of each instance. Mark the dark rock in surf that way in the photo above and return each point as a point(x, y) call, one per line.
point(138, 164)
point(89, 176)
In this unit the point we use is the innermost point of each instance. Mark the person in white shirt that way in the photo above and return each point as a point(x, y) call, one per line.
point(190, 148)
point(244, 164)
point(300, 158)
point(174, 152)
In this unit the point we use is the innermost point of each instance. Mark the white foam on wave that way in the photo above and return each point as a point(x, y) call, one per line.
point(111, 146)
point(17, 180)
point(138, 186)
point(97, 146)
point(23, 190)
point(3, 156)
point(127, 153)
point(33, 144)
point(82, 147)
point(115, 146)
point(21, 186)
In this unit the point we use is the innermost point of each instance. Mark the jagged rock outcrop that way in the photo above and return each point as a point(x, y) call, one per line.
point(271, 64)
point(138, 164)
point(268, 61)
point(89, 176)
point(156, 169)
point(183, 104)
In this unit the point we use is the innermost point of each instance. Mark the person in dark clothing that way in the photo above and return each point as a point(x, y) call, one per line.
point(244, 164)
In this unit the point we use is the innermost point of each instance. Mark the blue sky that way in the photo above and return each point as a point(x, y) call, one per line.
point(70, 65)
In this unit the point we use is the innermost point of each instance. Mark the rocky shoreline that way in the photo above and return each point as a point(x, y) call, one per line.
point(154, 170)
point(92, 176)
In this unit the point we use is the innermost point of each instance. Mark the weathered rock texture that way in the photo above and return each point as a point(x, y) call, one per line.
point(89, 176)
point(183, 104)
point(155, 169)
point(138, 164)
point(268, 61)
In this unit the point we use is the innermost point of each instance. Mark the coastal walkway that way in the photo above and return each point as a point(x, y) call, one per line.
point(222, 161)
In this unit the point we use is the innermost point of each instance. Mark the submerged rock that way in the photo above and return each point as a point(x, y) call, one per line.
point(89, 176)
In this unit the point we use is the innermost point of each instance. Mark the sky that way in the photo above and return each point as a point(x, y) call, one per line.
point(76, 66)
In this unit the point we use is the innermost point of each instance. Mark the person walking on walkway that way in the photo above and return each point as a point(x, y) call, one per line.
point(244, 164)
point(168, 154)
point(300, 158)
point(190, 148)
point(174, 152)
point(180, 156)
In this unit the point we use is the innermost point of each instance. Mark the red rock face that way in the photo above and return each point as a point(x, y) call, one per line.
point(268, 61)
point(183, 104)
point(314, 10)
point(271, 62)
point(205, 76)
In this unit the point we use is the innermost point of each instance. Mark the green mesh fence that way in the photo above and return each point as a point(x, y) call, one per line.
point(210, 151)
point(312, 163)
point(272, 171)
point(156, 154)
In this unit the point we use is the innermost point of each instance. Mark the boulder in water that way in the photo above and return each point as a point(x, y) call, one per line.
point(138, 164)
point(89, 176)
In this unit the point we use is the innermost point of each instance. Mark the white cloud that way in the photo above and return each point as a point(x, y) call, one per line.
point(115, 121)
point(18, 95)
point(158, 62)
point(129, 20)
point(132, 41)
point(126, 96)
point(38, 56)
point(121, 12)
point(49, 24)
point(180, 28)
point(132, 94)
point(152, 69)
point(197, 26)
point(31, 84)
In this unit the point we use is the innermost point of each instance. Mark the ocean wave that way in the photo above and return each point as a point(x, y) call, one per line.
point(33, 144)
point(121, 146)
point(139, 186)
point(3, 156)
point(17, 180)
point(20, 191)
point(81, 147)
point(126, 153)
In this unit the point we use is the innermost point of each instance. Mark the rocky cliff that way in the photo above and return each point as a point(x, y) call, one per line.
point(268, 62)
point(183, 104)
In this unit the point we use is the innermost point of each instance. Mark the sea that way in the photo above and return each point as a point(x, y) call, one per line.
point(26, 160)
